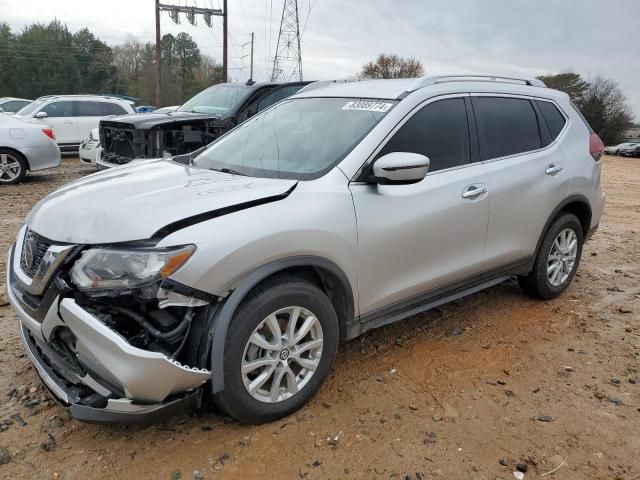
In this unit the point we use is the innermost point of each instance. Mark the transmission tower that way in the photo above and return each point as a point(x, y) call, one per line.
point(288, 52)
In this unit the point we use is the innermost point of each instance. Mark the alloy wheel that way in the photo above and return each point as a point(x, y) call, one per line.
point(10, 167)
point(282, 354)
point(562, 257)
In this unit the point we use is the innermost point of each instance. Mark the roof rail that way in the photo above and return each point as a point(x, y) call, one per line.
point(326, 83)
point(425, 81)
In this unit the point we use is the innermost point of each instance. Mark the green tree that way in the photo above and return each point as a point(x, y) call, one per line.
point(7, 57)
point(570, 83)
point(188, 58)
point(392, 66)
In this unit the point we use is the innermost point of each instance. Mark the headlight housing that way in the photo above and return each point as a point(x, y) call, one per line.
point(109, 268)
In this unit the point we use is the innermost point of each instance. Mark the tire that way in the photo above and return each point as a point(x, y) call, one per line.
point(13, 167)
point(278, 298)
point(539, 283)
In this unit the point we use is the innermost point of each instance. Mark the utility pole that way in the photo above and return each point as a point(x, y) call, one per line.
point(251, 68)
point(158, 54)
point(225, 26)
point(191, 12)
point(288, 49)
point(250, 55)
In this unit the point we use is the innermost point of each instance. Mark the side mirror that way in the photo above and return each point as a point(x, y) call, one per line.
point(1, 109)
point(400, 168)
point(41, 115)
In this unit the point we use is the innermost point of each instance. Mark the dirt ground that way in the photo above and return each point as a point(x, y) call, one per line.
point(466, 391)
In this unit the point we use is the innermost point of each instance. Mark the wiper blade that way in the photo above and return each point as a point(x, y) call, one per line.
point(228, 170)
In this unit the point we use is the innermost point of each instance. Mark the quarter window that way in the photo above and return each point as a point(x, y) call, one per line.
point(506, 126)
point(439, 130)
point(113, 109)
point(59, 109)
point(553, 118)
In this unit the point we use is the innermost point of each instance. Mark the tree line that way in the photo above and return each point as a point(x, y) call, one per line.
point(50, 59)
point(600, 99)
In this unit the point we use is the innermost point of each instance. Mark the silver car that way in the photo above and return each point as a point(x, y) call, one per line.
point(25, 147)
point(238, 269)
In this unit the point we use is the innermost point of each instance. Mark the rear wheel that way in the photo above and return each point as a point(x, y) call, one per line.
point(557, 260)
point(13, 167)
point(279, 350)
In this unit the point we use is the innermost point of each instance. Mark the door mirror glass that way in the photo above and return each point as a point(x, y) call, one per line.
point(41, 115)
point(399, 168)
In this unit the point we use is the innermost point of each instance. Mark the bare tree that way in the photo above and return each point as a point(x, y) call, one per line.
point(208, 73)
point(606, 108)
point(392, 66)
point(129, 60)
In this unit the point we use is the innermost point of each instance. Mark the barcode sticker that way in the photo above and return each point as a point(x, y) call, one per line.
point(368, 106)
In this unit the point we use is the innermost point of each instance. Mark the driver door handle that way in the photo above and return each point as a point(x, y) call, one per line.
point(553, 169)
point(474, 191)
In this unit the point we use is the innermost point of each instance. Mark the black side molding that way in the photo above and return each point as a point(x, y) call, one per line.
point(203, 217)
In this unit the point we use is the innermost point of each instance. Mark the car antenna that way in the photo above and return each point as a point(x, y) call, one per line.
point(250, 82)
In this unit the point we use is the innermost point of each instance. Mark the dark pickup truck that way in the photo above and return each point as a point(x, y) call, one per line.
point(197, 123)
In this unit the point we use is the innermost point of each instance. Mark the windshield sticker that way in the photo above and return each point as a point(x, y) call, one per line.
point(368, 106)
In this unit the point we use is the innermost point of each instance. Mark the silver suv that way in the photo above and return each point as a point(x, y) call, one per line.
point(237, 269)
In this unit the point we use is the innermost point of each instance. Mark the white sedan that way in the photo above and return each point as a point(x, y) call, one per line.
point(25, 147)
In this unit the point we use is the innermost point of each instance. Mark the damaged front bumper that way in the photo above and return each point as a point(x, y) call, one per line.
point(106, 379)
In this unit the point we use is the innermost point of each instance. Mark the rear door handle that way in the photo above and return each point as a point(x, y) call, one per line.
point(474, 191)
point(553, 169)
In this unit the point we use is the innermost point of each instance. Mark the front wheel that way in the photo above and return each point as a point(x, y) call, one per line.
point(279, 349)
point(557, 260)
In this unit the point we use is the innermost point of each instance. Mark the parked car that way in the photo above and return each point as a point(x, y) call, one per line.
point(73, 116)
point(628, 150)
point(338, 210)
point(89, 147)
point(614, 149)
point(145, 109)
point(25, 148)
point(195, 124)
point(12, 104)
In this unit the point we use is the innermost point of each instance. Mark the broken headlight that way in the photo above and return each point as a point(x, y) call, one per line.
point(108, 268)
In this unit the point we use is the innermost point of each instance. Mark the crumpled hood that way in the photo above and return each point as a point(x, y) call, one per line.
point(134, 202)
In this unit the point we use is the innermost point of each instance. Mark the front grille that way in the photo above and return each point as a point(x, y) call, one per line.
point(120, 139)
point(34, 247)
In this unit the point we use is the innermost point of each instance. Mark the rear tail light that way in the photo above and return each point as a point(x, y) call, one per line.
point(49, 133)
point(596, 147)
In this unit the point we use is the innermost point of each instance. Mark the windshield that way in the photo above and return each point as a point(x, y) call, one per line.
point(300, 138)
point(218, 99)
point(32, 107)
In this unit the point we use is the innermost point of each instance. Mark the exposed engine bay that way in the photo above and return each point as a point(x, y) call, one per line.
point(123, 142)
point(161, 317)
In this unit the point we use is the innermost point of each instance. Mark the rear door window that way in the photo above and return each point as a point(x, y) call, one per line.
point(89, 109)
point(553, 118)
point(440, 131)
point(277, 95)
point(506, 126)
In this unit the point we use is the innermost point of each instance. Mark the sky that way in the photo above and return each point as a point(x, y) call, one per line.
point(499, 37)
